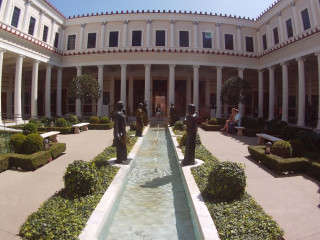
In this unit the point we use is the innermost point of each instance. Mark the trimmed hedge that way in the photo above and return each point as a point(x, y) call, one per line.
point(4, 162)
point(62, 130)
point(56, 149)
point(208, 127)
point(313, 170)
point(100, 126)
point(252, 132)
point(29, 162)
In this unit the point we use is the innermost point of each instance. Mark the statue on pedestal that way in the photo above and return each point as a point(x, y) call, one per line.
point(172, 115)
point(140, 115)
point(191, 127)
point(119, 132)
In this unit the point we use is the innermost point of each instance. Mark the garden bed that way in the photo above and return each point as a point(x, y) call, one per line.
point(208, 127)
point(100, 126)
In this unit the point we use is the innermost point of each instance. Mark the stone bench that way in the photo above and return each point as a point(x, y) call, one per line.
point(77, 127)
point(53, 134)
point(263, 136)
point(240, 129)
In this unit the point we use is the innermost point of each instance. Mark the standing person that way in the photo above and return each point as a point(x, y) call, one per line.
point(230, 120)
point(235, 123)
point(140, 115)
point(191, 125)
point(119, 132)
point(172, 115)
point(158, 111)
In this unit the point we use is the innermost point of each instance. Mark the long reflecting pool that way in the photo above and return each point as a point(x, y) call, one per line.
point(153, 204)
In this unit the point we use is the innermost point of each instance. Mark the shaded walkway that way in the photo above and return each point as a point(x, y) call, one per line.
point(293, 201)
point(22, 193)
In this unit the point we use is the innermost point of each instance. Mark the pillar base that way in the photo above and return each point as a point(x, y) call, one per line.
point(300, 124)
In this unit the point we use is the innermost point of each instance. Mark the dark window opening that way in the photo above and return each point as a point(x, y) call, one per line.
point(289, 28)
point(184, 38)
point(264, 42)
point(113, 39)
point(32, 24)
point(136, 38)
point(228, 41)
point(91, 40)
point(305, 19)
point(160, 38)
point(71, 42)
point(207, 39)
point(45, 34)
point(249, 44)
point(275, 36)
point(15, 17)
point(56, 40)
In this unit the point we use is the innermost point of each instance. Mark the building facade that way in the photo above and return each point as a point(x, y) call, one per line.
point(160, 57)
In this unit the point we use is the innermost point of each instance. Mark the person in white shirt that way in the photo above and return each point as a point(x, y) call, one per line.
point(235, 123)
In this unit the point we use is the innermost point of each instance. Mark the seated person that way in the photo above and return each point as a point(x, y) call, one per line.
point(231, 118)
point(235, 123)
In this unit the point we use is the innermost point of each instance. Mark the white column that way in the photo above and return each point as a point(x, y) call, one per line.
point(269, 42)
point(41, 13)
point(6, 12)
point(123, 94)
point(1, 65)
point(218, 35)
point(318, 57)
point(25, 16)
point(219, 86)
point(188, 91)
point(17, 90)
point(271, 93)
point(281, 31)
point(258, 40)
point(61, 40)
point(195, 34)
point(51, 38)
point(171, 85)
point(149, 35)
point(131, 86)
point(34, 90)
point(78, 102)
point(59, 92)
point(100, 80)
point(125, 33)
point(48, 92)
point(196, 86)
point(81, 36)
point(103, 33)
point(260, 99)
point(241, 106)
point(239, 38)
point(314, 14)
point(172, 33)
point(296, 25)
point(147, 87)
point(285, 91)
point(301, 87)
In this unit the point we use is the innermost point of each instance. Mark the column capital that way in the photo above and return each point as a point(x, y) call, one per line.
point(317, 53)
point(64, 27)
point(172, 21)
point(21, 56)
point(303, 59)
point(195, 22)
point(218, 24)
point(2, 50)
point(123, 65)
point(241, 69)
point(260, 70)
point(149, 21)
point(293, 4)
point(53, 21)
point(278, 14)
point(239, 26)
point(271, 68)
point(78, 67)
point(147, 65)
point(28, 2)
point(83, 25)
point(104, 23)
point(219, 67)
point(196, 66)
point(42, 12)
point(126, 21)
point(37, 61)
point(100, 66)
point(257, 30)
point(60, 68)
point(49, 65)
point(268, 22)
point(284, 64)
point(172, 65)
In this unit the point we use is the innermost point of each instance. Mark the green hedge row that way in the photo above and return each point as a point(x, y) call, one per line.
point(252, 132)
point(100, 126)
point(56, 149)
point(281, 165)
point(208, 127)
point(62, 130)
point(63, 216)
point(4, 162)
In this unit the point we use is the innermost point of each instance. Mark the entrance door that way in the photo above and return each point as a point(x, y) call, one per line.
point(138, 93)
point(159, 89)
point(180, 97)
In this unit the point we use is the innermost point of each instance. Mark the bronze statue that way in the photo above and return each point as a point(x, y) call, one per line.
point(119, 132)
point(145, 109)
point(191, 126)
point(172, 115)
point(140, 115)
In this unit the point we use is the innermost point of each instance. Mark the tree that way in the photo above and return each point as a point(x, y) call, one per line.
point(85, 88)
point(234, 91)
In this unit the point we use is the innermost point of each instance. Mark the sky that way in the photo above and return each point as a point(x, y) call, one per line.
point(242, 8)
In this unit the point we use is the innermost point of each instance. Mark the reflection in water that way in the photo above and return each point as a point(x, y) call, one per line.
point(153, 204)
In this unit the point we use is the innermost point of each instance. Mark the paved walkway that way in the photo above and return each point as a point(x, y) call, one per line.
point(22, 193)
point(293, 201)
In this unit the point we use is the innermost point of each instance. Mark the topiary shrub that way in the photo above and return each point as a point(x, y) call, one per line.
point(61, 122)
point(178, 125)
point(133, 126)
point(104, 120)
point(273, 124)
point(282, 149)
point(297, 148)
point(226, 182)
point(261, 122)
point(32, 144)
point(183, 139)
point(249, 123)
point(213, 121)
point(29, 128)
point(283, 124)
point(16, 141)
point(287, 133)
point(73, 119)
point(94, 120)
point(81, 178)
point(310, 140)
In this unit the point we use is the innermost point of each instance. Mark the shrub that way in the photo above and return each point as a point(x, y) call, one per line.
point(133, 126)
point(249, 123)
point(81, 178)
point(282, 149)
point(34, 121)
point(297, 148)
point(213, 121)
point(73, 119)
point(46, 121)
point(29, 128)
point(310, 140)
point(179, 126)
point(261, 122)
point(16, 141)
point(183, 140)
point(226, 182)
point(32, 144)
point(283, 124)
point(100, 126)
point(4, 162)
point(207, 127)
point(287, 133)
point(56, 149)
point(29, 162)
point(273, 124)
point(61, 122)
point(94, 120)
point(104, 120)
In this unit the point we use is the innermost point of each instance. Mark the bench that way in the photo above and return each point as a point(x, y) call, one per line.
point(263, 136)
point(79, 125)
point(240, 129)
point(53, 134)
